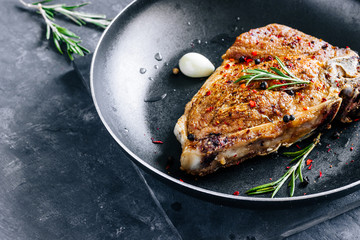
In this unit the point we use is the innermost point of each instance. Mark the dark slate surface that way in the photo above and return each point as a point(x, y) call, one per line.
point(62, 176)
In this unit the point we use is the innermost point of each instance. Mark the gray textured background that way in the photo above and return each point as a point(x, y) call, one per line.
point(63, 177)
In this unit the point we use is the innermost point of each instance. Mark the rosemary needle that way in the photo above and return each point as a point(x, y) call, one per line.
point(294, 172)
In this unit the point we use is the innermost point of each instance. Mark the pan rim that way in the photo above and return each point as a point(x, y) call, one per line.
point(223, 197)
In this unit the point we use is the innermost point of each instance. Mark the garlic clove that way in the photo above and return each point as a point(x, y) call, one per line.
point(195, 65)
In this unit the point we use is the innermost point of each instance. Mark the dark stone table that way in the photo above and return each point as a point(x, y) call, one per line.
point(62, 176)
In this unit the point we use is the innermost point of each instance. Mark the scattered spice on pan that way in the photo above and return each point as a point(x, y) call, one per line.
point(351, 148)
point(236, 193)
point(305, 182)
point(175, 71)
point(336, 135)
point(320, 174)
point(308, 162)
point(156, 141)
point(169, 163)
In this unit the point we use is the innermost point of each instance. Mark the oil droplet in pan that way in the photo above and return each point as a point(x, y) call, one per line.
point(158, 56)
point(142, 70)
point(155, 98)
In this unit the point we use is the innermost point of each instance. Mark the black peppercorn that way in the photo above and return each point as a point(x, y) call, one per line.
point(286, 118)
point(292, 117)
point(191, 137)
point(257, 61)
point(290, 92)
point(242, 59)
point(263, 85)
point(305, 182)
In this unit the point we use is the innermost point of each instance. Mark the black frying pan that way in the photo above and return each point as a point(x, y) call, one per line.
point(138, 107)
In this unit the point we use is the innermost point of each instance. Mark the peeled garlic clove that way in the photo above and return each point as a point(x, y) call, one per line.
point(195, 65)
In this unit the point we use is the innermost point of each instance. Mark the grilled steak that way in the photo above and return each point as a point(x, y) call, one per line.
point(226, 122)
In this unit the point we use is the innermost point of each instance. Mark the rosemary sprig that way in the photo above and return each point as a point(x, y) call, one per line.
point(294, 172)
point(61, 35)
point(259, 74)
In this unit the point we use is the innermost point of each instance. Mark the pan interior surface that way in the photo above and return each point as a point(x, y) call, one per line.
point(139, 98)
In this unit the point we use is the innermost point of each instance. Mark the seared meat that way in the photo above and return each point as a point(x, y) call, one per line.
point(226, 123)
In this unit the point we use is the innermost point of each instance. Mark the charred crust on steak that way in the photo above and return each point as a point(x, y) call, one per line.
point(207, 159)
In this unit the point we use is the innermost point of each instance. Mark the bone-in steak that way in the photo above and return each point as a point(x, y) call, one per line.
point(226, 122)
